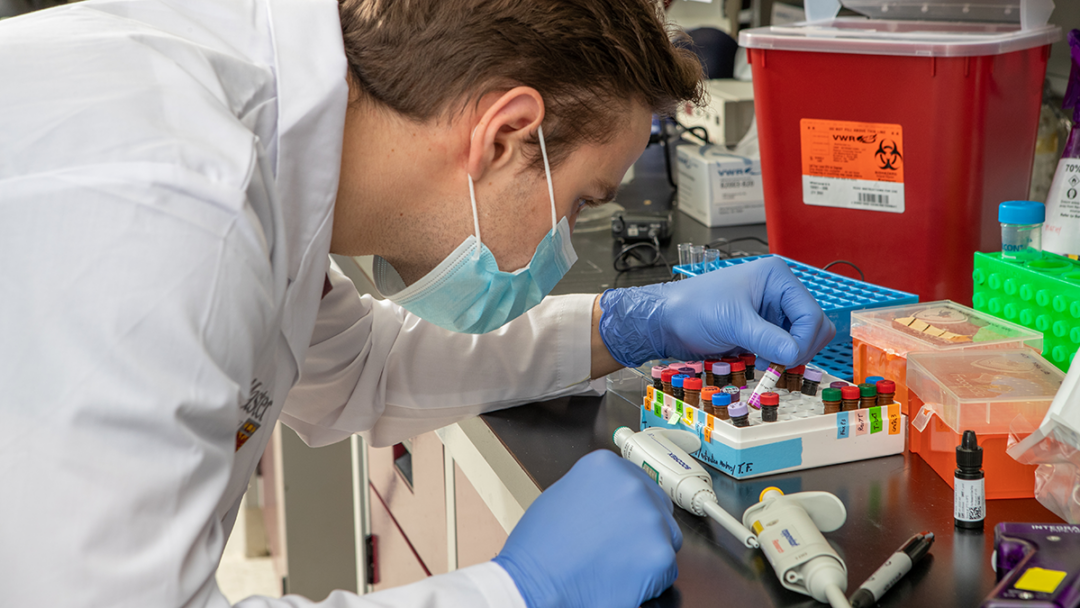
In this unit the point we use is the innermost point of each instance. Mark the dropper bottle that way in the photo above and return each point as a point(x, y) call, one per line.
point(969, 491)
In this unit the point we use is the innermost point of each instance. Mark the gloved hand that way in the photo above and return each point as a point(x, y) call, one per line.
point(603, 536)
point(747, 307)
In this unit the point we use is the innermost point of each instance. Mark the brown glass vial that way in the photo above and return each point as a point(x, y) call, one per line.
point(738, 374)
point(707, 394)
point(831, 397)
point(795, 377)
point(849, 398)
point(886, 392)
point(867, 396)
point(665, 380)
point(749, 360)
point(692, 391)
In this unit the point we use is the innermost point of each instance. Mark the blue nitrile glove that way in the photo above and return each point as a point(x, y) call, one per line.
point(603, 536)
point(749, 307)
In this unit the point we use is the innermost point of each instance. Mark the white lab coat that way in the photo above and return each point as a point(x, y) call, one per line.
point(167, 178)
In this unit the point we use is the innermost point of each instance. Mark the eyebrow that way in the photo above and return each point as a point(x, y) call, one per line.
point(609, 191)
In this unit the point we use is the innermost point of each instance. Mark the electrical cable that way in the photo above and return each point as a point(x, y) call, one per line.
point(718, 242)
point(834, 263)
point(697, 131)
point(837, 599)
point(622, 259)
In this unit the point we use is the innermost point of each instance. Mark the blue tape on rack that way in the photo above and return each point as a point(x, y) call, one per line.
point(842, 428)
point(753, 461)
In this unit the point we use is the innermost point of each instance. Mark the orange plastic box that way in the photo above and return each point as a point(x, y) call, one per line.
point(985, 392)
point(881, 338)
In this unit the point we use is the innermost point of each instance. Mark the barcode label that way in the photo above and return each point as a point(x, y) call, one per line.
point(879, 199)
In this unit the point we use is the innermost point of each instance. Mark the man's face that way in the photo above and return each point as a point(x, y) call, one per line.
point(515, 215)
point(404, 190)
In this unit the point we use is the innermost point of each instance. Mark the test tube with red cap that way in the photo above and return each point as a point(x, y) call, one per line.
point(665, 379)
point(849, 398)
point(738, 373)
point(749, 360)
point(886, 392)
point(770, 406)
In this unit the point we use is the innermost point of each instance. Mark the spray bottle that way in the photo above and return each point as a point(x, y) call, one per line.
point(1061, 230)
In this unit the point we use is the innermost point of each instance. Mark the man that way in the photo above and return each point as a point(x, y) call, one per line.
point(172, 178)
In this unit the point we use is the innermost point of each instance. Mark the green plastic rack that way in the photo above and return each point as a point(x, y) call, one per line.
point(1042, 294)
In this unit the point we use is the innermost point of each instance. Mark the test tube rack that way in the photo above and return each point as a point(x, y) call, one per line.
point(838, 296)
point(803, 438)
point(1041, 294)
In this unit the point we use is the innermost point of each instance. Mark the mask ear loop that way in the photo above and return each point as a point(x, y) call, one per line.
point(475, 217)
point(547, 172)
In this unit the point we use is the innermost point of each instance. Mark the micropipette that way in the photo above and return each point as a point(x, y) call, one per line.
point(796, 520)
point(664, 454)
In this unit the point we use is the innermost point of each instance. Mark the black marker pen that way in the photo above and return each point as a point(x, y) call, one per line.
point(892, 570)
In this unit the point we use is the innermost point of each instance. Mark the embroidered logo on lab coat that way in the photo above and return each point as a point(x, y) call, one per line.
point(256, 406)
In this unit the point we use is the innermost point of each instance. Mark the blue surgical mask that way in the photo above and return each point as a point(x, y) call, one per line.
point(467, 293)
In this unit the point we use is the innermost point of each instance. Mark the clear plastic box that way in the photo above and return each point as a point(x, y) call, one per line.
point(883, 337)
point(985, 392)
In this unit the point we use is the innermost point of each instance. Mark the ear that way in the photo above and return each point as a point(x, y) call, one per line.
point(500, 135)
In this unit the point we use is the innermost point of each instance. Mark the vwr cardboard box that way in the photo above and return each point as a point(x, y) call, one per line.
point(719, 188)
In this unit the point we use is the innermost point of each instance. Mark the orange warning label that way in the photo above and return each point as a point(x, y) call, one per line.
point(852, 150)
point(853, 165)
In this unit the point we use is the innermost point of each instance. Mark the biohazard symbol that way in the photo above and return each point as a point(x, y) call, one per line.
point(888, 154)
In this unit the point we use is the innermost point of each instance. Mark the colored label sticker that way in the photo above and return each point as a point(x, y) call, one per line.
point(678, 406)
point(853, 165)
point(688, 416)
point(706, 434)
point(657, 407)
point(649, 391)
point(710, 420)
point(661, 397)
point(875, 419)
point(843, 427)
point(894, 418)
point(861, 424)
point(674, 418)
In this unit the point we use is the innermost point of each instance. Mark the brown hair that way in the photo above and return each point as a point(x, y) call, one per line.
point(588, 59)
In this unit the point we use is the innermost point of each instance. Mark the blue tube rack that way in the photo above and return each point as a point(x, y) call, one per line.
point(838, 296)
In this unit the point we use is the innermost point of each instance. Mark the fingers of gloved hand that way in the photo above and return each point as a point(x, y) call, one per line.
point(638, 480)
point(809, 327)
point(769, 341)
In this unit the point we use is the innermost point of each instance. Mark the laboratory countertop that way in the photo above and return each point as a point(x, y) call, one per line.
point(888, 500)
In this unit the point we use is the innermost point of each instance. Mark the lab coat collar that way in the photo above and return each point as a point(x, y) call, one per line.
point(312, 97)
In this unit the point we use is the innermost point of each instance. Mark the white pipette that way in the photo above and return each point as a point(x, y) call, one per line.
point(796, 520)
point(665, 455)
